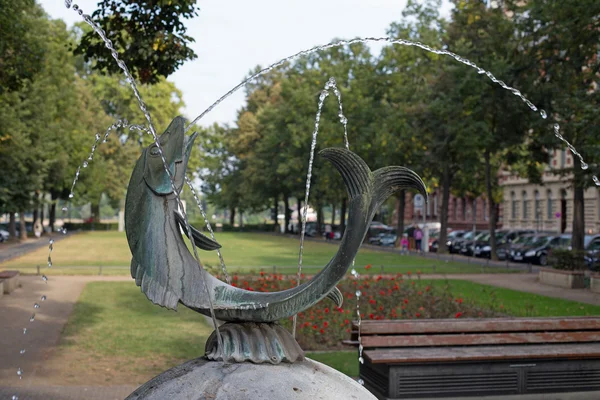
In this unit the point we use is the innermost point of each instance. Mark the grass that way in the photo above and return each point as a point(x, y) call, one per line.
point(84, 253)
point(515, 303)
point(116, 336)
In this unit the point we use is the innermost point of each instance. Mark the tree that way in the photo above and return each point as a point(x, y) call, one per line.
point(21, 42)
point(560, 42)
point(150, 37)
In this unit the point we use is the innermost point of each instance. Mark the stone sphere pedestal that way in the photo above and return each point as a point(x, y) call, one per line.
point(203, 379)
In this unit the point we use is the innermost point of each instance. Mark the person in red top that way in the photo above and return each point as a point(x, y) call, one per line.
point(404, 244)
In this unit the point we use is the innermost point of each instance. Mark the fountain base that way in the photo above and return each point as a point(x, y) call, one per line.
point(205, 379)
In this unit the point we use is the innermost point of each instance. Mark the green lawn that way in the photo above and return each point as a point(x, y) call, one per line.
point(115, 335)
point(84, 253)
point(518, 304)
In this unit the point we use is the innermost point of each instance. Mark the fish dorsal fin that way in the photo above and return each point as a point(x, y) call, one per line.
point(202, 241)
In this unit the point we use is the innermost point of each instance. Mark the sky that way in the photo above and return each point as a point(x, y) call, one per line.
point(233, 36)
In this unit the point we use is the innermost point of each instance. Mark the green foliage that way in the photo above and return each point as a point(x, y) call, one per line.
point(150, 37)
point(568, 260)
point(21, 42)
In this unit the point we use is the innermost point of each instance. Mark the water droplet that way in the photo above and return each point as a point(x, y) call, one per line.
point(596, 180)
point(36, 305)
point(358, 293)
point(32, 318)
point(24, 331)
point(45, 278)
point(22, 351)
point(85, 164)
point(51, 241)
point(65, 209)
point(584, 166)
point(64, 231)
point(80, 12)
point(361, 360)
point(15, 397)
point(97, 136)
point(68, 3)
point(43, 298)
point(20, 373)
point(49, 262)
point(75, 7)
point(543, 114)
point(361, 382)
point(71, 195)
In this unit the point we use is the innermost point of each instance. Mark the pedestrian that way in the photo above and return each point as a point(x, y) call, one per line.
point(404, 244)
point(418, 237)
point(328, 231)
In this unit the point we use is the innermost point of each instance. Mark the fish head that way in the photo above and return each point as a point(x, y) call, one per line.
point(176, 148)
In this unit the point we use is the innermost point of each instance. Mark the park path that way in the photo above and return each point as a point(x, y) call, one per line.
point(42, 336)
point(10, 250)
point(62, 293)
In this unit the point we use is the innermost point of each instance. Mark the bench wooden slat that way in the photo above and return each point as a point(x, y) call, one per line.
point(479, 339)
point(503, 353)
point(479, 325)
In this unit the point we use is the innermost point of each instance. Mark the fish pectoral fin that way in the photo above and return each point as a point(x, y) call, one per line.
point(201, 240)
point(336, 296)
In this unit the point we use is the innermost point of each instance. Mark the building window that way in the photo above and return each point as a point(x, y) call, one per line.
point(563, 158)
point(525, 206)
point(474, 209)
point(513, 205)
point(538, 206)
point(484, 210)
point(455, 208)
point(464, 209)
point(549, 205)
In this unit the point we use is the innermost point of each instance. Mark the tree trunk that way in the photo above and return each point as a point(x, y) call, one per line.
point(22, 226)
point(446, 177)
point(52, 216)
point(232, 216)
point(287, 213)
point(343, 217)
point(400, 214)
point(319, 220)
point(332, 215)
point(35, 215)
point(95, 209)
point(578, 214)
point(42, 211)
point(275, 208)
point(491, 205)
point(12, 225)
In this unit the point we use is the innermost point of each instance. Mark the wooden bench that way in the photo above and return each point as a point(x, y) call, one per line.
point(478, 357)
point(10, 280)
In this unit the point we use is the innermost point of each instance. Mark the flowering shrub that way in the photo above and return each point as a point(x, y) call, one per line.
point(399, 296)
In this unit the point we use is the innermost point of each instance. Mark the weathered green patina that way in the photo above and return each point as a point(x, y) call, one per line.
point(168, 273)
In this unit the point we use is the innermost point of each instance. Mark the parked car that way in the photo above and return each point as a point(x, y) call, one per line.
point(457, 244)
point(503, 248)
point(536, 248)
point(591, 243)
point(3, 235)
point(453, 237)
point(384, 238)
point(467, 247)
point(483, 247)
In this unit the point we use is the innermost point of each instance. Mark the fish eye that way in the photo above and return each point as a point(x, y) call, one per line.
point(154, 151)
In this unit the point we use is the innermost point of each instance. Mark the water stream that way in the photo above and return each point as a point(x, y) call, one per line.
point(142, 105)
point(329, 86)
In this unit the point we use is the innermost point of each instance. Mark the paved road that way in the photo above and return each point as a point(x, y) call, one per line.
point(9, 251)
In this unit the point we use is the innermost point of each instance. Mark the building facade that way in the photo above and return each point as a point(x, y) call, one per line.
point(463, 212)
point(547, 207)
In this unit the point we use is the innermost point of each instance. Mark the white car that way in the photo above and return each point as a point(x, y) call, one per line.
point(3, 235)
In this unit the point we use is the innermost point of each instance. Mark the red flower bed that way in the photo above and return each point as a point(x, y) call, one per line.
point(324, 325)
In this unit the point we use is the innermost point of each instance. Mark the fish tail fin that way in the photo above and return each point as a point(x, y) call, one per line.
point(389, 180)
point(356, 174)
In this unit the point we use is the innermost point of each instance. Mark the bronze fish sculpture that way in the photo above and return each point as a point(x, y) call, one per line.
point(169, 274)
